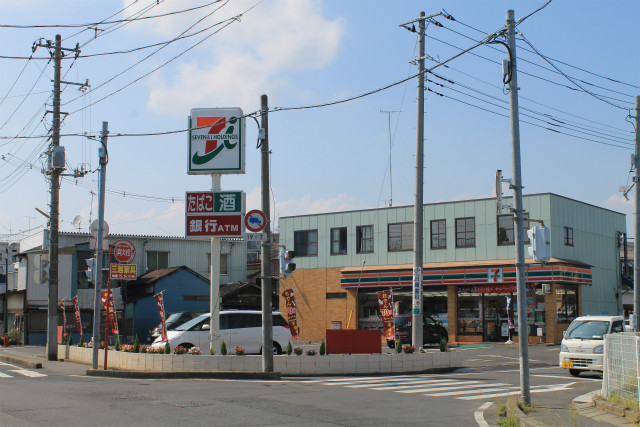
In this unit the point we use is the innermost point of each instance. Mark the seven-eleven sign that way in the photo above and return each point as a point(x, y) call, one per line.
point(216, 141)
point(494, 275)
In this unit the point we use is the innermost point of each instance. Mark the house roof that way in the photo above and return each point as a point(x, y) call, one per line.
point(155, 275)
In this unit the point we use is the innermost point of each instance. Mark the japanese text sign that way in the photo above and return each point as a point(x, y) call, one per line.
point(385, 301)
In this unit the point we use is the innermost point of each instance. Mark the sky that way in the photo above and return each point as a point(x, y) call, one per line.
point(578, 75)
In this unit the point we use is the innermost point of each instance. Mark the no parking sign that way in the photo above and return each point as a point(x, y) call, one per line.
point(255, 221)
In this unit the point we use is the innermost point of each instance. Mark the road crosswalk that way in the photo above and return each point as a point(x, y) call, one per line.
point(437, 386)
point(8, 370)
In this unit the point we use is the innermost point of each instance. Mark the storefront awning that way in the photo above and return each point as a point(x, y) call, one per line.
point(466, 273)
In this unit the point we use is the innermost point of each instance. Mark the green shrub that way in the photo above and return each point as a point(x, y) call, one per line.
point(136, 345)
point(70, 342)
point(399, 345)
point(117, 344)
point(167, 348)
point(81, 342)
point(289, 349)
point(223, 348)
point(323, 348)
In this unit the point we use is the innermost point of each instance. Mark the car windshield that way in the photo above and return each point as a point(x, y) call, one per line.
point(588, 329)
point(173, 318)
point(191, 323)
point(401, 321)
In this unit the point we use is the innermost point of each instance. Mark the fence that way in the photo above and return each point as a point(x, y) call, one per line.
point(621, 365)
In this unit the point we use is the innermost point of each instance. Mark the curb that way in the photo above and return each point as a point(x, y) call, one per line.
point(523, 419)
point(29, 364)
point(619, 410)
point(227, 375)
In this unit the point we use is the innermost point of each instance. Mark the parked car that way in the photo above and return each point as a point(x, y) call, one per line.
point(242, 328)
point(432, 331)
point(172, 321)
point(582, 344)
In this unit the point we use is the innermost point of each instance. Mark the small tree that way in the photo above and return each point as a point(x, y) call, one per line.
point(167, 348)
point(399, 345)
point(117, 344)
point(223, 348)
point(289, 349)
point(70, 341)
point(136, 345)
point(323, 348)
point(81, 342)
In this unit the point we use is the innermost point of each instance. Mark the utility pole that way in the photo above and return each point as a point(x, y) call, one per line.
point(267, 276)
point(636, 215)
point(418, 208)
point(523, 329)
point(388, 112)
point(103, 154)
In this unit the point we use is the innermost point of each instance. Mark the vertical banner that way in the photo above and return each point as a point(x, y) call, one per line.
point(417, 285)
point(290, 303)
point(160, 303)
point(109, 307)
point(76, 309)
point(64, 318)
point(385, 300)
point(509, 317)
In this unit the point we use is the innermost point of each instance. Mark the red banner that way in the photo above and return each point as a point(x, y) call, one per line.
point(110, 309)
point(385, 300)
point(290, 303)
point(76, 309)
point(160, 303)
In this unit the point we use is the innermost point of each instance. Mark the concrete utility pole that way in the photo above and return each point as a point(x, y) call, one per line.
point(52, 316)
point(103, 154)
point(267, 276)
point(523, 328)
point(214, 281)
point(636, 217)
point(418, 208)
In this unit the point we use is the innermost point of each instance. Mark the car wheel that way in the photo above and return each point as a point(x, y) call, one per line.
point(391, 344)
point(276, 348)
point(444, 340)
point(574, 372)
point(186, 346)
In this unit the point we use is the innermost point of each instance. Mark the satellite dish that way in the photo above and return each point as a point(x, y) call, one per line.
point(77, 221)
point(94, 228)
point(41, 277)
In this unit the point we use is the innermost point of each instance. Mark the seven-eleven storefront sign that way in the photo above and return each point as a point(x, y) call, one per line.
point(216, 141)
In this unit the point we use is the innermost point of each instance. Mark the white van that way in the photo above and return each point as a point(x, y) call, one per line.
point(583, 342)
point(242, 328)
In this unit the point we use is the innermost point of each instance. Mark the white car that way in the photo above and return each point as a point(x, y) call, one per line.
point(242, 328)
point(583, 344)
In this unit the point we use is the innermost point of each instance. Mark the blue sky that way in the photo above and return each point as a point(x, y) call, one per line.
point(303, 53)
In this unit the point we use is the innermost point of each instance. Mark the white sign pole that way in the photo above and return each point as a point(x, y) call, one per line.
point(214, 298)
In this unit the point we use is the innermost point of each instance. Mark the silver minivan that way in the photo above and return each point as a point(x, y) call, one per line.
point(241, 328)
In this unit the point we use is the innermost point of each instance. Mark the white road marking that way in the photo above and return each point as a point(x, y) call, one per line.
point(479, 414)
point(27, 373)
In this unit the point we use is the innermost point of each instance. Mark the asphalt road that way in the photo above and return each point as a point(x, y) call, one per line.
point(61, 395)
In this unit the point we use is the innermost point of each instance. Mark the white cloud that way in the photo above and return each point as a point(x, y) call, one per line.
point(247, 58)
point(618, 201)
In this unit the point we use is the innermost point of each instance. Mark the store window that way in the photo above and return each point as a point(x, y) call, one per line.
point(339, 241)
point(465, 232)
point(469, 314)
point(306, 243)
point(400, 237)
point(439, 234)
point(224, 263)
point(364, 239)
point(566, 303)
point(506, 227)
point(157, 260)
point(568, 236)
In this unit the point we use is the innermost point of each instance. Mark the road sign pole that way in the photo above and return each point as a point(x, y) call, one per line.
point(214, 299)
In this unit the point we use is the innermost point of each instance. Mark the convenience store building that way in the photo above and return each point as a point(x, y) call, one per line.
point(469, 282)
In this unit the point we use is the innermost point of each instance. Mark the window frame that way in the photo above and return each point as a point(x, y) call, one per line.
point(568, 240)
point(512, 229)
point(401, 236)
point(297, 243)
point(361, 240)
point(444, 233)
point(342, 238)
point(465, 219)
point(157, 263)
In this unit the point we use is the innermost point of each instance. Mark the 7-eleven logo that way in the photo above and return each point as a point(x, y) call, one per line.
point(495, 275)
point(215, 141)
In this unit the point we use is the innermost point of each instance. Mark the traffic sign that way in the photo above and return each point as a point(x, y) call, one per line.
point(214, 226)
point(255, 237)
point(124, 251)
point(255, 221)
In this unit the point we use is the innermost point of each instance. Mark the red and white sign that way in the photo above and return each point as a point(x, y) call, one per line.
point(124, 251)
point(255, 221)
point(214, 226)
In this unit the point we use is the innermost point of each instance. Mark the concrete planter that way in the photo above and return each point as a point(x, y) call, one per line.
point(293, 365)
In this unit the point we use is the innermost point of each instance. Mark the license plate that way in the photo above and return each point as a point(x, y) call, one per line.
point(567, 364)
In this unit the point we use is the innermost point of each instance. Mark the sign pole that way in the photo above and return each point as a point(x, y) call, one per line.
point(214, 305)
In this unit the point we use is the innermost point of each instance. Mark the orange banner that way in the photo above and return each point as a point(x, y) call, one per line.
point(385, 300)
point(76, 309)
point(160, 303)
point(110, 309)
point(290, 303)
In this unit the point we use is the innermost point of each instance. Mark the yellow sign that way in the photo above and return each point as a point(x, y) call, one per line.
point(123, 272)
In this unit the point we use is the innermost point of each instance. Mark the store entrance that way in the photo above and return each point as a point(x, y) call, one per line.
point(494, 316)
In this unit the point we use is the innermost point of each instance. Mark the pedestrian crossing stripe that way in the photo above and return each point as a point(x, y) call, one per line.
point(27, 373)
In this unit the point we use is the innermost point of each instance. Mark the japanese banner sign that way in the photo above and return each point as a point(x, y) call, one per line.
point(290, 303)
point(160, 303)
point(76, 309)
point(122, 271)
point(214, 213)
point(109, 307)
point(385, 300)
